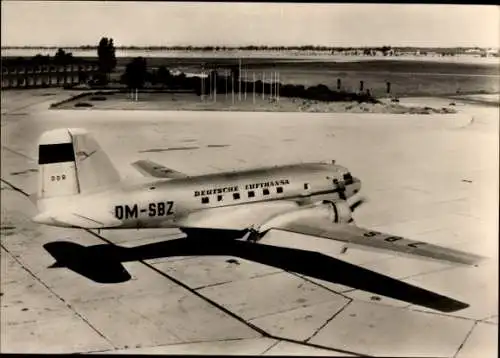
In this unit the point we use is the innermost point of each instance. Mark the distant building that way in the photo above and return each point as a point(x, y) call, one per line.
point(491, 52)
point(27, 74)
point(473, 51)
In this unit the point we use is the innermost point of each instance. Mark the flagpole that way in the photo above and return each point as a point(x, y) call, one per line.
point(253, 87)
point(275, 85)
point(232, 87)
point(210, 83)
point(239, 82)
point(215, 87)
point(263, 75)
point(278, 86)
point(271, 87)
point(245, 85)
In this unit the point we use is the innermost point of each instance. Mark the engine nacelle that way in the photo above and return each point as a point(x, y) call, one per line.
point(337, 212)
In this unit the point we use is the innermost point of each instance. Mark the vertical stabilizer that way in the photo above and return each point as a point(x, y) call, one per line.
point(95, 169)
point(71, 162)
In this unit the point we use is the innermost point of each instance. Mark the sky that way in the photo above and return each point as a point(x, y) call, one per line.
point(75, 23)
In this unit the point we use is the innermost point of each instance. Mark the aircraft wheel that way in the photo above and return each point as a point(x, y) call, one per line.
point(253, 236)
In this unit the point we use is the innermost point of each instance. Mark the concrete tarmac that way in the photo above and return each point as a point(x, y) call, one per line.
point(430, 178)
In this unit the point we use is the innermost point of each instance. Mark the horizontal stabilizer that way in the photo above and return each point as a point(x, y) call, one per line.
point(149, 168)
point(77, 220)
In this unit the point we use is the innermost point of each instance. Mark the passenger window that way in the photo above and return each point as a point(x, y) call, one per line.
point(306, 186)
point(279, 189)
point(204, 200)
point(236, 196)
point(219, 197)
point(251, 194)
point(265, 191)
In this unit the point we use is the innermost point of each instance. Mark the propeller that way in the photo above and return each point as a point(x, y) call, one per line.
point(355, 201)
point(357, 204)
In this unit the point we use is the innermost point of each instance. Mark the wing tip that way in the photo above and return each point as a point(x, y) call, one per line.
point(474, 260)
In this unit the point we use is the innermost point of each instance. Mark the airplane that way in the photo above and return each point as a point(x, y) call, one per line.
point(80, 188)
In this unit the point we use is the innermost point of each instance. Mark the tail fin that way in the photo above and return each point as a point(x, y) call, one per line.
point(71, 162)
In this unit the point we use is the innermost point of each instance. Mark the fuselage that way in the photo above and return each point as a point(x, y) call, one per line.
point(160, 203)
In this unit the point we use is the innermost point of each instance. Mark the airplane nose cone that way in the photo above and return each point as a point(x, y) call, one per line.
point(352, 190)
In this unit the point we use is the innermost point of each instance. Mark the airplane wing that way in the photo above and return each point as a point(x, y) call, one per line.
point(354, 236)
point(147, 167)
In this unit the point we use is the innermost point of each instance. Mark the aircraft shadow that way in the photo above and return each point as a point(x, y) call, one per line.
point(103, 264)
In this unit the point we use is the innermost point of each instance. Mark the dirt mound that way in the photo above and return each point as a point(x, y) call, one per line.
point(354, 107)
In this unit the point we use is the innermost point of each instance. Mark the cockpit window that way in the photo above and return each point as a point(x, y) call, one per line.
point(348, 178)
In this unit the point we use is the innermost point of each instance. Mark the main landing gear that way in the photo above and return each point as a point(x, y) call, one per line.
point(253, 236)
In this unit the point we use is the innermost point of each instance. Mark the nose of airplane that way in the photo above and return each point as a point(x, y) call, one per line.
point(356, 185)
point(352, 187)
point(353, 196)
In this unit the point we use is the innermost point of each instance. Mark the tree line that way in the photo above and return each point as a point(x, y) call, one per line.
point(458, 49)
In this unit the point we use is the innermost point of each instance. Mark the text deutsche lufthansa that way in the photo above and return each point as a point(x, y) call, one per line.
point(230, 189)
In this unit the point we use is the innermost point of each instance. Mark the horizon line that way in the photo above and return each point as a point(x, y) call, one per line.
point(241, 46)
